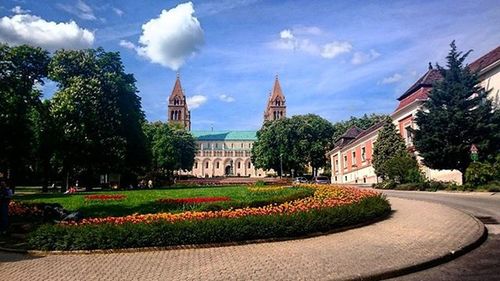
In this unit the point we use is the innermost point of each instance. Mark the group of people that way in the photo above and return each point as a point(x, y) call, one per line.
point(143, 184)
point(5, 197)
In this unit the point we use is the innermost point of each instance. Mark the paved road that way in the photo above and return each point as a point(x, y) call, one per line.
point(482, 263)
point(417, 232)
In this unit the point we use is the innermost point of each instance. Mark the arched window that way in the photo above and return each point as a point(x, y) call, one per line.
point(217, 164)
point(239, 165)
point(172, 115)
point(249, 165)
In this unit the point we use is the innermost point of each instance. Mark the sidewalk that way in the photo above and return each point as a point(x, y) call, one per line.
point(418, 232)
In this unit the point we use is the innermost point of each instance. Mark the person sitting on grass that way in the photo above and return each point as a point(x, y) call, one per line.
point(72, 189)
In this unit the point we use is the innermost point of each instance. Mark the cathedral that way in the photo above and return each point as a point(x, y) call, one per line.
point(224, 153)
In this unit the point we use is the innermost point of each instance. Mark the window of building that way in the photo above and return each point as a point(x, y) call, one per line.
point(345, 161)
point(363, 154)
point(196, 165)
point(241, 145)
point(409, 134)
point(206, 165)
point(249, 165)
point(345, 177)
point(239, 165)
point(217, 165)
point(336, 168)
point(354, 158)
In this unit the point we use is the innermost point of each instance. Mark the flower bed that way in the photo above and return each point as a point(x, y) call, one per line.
point(330, 207)
point(21, 210)
point(105, 197)
point(193, 200)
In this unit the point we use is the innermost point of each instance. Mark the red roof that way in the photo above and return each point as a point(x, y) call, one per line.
point(420, 94)
point(431, 76)
point(486, 60)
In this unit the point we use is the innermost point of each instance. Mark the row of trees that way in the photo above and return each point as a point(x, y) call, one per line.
point(300, 141)
point(93, 124)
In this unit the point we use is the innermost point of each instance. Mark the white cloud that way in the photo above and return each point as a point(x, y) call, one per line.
point(171, 37)
point(392, 79)
point(290, 40)
point(33, 30)
point(127, 44)
point(226, 98)
point(360, 57)
point(118, 11)
point(19, 10)
point(81, 10)
point(286, 34)
point(196, 101)
point(336, 48)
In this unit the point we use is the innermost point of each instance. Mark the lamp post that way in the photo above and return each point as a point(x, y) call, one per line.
point(474, 152)
point(281, 165)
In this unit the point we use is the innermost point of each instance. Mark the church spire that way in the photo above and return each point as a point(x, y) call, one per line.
point(178, 112)
point(276, 107)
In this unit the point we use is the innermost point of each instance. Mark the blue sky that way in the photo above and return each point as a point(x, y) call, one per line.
point(334, 58)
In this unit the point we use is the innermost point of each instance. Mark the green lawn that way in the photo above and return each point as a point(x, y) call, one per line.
point(145, 201)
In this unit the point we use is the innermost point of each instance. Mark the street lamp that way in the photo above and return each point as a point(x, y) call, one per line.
point(474, 152)
point(281, 165)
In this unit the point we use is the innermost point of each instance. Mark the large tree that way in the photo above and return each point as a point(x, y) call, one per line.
point(98, 113)
point(391, 160)
point(293, 143)
point(173, 148)
point(456, 115)
point(21, 68)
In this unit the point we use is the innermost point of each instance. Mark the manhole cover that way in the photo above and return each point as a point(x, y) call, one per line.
point(487, 220)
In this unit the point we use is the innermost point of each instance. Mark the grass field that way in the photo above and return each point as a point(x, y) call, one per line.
point(146, 201)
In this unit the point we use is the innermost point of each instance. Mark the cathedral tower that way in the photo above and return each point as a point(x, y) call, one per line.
point(178, 112)
point(276, 107)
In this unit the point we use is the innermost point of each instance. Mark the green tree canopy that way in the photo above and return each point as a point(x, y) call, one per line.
point(98, 113)
point(456, 115)
point(391, 160)
point(295, 142)
point(173, 148)
point(21, 68)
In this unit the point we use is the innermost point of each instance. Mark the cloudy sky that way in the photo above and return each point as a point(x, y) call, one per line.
point(334, 58)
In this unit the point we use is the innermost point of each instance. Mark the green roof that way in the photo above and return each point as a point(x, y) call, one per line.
point(225, 135)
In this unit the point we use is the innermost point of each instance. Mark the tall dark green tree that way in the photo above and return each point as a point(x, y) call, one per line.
point(293, 143)
point(456, 115)
point(21, 68)
point(391, 160)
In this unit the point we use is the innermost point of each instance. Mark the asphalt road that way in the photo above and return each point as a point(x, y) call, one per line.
point(482, 263)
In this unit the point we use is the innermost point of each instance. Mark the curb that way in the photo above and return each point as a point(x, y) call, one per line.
point(434, 261)
point(197, 246)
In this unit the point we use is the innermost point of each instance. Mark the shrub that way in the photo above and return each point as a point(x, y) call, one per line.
point(402, 169)
point(162, 233)
point(479, 173)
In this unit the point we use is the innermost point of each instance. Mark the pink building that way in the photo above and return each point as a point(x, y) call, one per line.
point(350, 159)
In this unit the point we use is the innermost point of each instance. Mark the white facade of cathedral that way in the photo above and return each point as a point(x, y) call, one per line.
point(224, 153)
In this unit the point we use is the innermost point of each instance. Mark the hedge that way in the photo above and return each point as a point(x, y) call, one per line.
point(160, 233)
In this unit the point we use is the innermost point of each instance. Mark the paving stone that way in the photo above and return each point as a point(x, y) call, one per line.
point(417, 232)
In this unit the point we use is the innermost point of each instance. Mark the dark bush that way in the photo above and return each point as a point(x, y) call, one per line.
point(109, 236)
